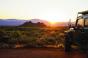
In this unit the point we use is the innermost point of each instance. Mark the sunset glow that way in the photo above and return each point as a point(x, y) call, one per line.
point(50, 10)
point(54, 16)
point(52, 23)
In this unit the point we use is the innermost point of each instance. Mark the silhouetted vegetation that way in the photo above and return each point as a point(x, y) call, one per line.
point(31, 35)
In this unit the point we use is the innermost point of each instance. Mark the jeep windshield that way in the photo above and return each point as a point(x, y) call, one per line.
point(86, 22)
point(83, 15)
point(82, 21)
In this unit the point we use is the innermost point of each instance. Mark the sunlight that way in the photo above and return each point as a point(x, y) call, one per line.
point(52, 22)
point(53, 15)
point(55, 10)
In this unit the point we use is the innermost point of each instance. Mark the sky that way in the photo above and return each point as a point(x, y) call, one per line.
point(51, 10)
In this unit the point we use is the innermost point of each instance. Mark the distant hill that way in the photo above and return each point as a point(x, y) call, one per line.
point(11, 22)
point(48, 24)
point(40, 20)
point(31, 24)
point(17, 22)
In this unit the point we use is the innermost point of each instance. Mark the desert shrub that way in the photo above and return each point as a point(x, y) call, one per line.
point(49, 40)
point(31, 36)
point(3, 36)
point(4, 45)
point(14, 37)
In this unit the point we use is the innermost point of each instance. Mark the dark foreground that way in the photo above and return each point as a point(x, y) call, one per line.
point(39, 53)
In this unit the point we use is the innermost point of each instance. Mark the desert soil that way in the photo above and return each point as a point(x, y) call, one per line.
point(40, 53)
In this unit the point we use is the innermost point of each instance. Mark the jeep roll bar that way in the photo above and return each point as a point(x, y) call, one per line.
point(83, 12)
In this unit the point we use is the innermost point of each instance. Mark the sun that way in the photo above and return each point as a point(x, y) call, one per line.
point(53, 16)
point(52, 21)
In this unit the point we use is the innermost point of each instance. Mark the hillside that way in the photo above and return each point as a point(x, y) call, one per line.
point(18, 22)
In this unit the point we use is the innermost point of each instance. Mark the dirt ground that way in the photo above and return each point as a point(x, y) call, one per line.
point(40, 53)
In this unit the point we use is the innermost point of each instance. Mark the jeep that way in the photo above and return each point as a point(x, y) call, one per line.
point(78, 34)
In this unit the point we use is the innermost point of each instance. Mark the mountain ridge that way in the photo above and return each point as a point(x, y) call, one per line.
point(17, 22)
